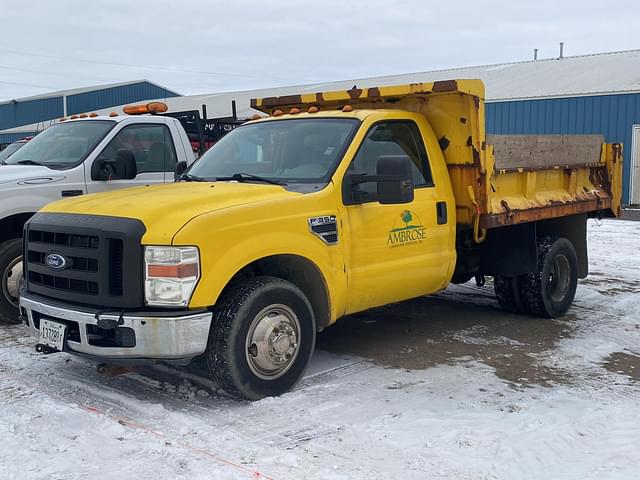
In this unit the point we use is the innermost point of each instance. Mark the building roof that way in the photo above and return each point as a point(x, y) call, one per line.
point(77, 91)
point(595, 74)
point(582, 75)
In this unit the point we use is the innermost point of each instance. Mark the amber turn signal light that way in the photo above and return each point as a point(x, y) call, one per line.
point(184, 270)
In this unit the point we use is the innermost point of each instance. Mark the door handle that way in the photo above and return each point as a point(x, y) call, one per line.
point(71, 193)
point(441, 212)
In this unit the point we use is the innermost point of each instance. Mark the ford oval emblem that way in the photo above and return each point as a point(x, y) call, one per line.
point(55, 261)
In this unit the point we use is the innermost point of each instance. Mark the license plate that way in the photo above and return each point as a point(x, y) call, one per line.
point(52, 334)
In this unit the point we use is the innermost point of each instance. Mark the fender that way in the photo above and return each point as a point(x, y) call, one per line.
point(218, 269)
point(230, 240)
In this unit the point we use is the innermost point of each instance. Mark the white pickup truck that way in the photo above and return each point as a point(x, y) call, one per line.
point(76, 157)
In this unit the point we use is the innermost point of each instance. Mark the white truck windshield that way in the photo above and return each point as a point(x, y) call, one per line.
point(287, 151)
point(63, 145)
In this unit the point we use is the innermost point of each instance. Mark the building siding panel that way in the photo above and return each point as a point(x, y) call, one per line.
point(105, 98)
point(15, 114)
point(610, 115)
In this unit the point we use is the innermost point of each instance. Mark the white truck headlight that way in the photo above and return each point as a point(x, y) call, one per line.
point(170, 275)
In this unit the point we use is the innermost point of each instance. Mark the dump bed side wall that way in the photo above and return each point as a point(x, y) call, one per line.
point(547, 177)
point(545, 151)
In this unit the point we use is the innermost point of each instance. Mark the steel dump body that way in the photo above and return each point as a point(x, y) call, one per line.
point(497, 180)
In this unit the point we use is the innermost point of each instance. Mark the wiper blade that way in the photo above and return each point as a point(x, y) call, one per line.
point(27, 162)
point(188, 177)
point(243, 177)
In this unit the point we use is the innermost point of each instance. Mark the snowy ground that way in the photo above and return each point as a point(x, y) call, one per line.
point(443, 387)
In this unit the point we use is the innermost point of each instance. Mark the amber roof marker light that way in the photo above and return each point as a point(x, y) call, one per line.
point(152, 107)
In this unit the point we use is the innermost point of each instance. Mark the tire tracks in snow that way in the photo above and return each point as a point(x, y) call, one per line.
point(163, 398)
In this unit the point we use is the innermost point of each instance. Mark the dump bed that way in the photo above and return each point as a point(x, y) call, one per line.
point(497, 180)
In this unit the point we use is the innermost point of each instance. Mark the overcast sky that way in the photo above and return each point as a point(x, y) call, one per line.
point(198, 46)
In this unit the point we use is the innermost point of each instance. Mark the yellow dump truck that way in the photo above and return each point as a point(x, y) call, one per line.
point(333, 203)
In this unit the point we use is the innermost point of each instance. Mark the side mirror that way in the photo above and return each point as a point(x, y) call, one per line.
point(393, 180)
point(399, 190)
point(180, 168)
point(123, 167)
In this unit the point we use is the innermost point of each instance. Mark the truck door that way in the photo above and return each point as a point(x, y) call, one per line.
point(152, 147)
point(397, 251)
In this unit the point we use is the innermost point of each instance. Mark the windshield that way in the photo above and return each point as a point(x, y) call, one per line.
point(63, 145)
point(288, 151)
point(10, 150)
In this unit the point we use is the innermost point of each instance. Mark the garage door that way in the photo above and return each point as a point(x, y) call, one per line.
point(635, 166)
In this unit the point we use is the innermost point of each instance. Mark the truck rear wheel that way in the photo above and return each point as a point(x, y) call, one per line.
point(261, 339)
point(509, 293)
point(549, 291)
point(11, 279)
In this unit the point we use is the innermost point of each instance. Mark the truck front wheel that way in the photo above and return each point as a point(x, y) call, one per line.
point(11, 279)
point(549, 291)
point(261, 339)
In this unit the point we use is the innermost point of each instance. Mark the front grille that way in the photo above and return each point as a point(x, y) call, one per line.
point(66, 239)
point(77, 263)
point(62, 283)
point(115, 267)
point(87, 259)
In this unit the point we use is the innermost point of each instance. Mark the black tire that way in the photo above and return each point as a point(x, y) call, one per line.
point(236, 316)
point(10, 252)
point(549, 291)
point(509, 293)
point(461, 277)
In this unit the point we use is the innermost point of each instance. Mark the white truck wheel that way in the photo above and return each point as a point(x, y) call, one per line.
point(11, 280)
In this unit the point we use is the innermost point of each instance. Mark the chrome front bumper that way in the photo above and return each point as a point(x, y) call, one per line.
point(174, 337)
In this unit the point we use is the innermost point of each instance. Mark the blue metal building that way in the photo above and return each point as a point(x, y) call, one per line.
point(40, 111)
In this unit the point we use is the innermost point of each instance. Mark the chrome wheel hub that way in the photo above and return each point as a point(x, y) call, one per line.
point(272, 341)
point(12, 281)
point(559, 278)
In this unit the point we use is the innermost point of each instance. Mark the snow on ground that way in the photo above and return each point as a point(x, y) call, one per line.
point(445, 387)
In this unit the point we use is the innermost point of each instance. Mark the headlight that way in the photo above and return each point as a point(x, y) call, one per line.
point(171, 274)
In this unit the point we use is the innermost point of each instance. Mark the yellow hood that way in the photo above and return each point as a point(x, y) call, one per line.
point(166, 208)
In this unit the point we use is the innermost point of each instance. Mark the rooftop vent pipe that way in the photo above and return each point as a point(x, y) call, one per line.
point(561, 50)
point(535, 53)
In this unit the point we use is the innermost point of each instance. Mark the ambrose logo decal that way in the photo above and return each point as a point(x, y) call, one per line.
point(407, 230)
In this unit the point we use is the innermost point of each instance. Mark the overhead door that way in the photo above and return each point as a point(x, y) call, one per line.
point(635, 166)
